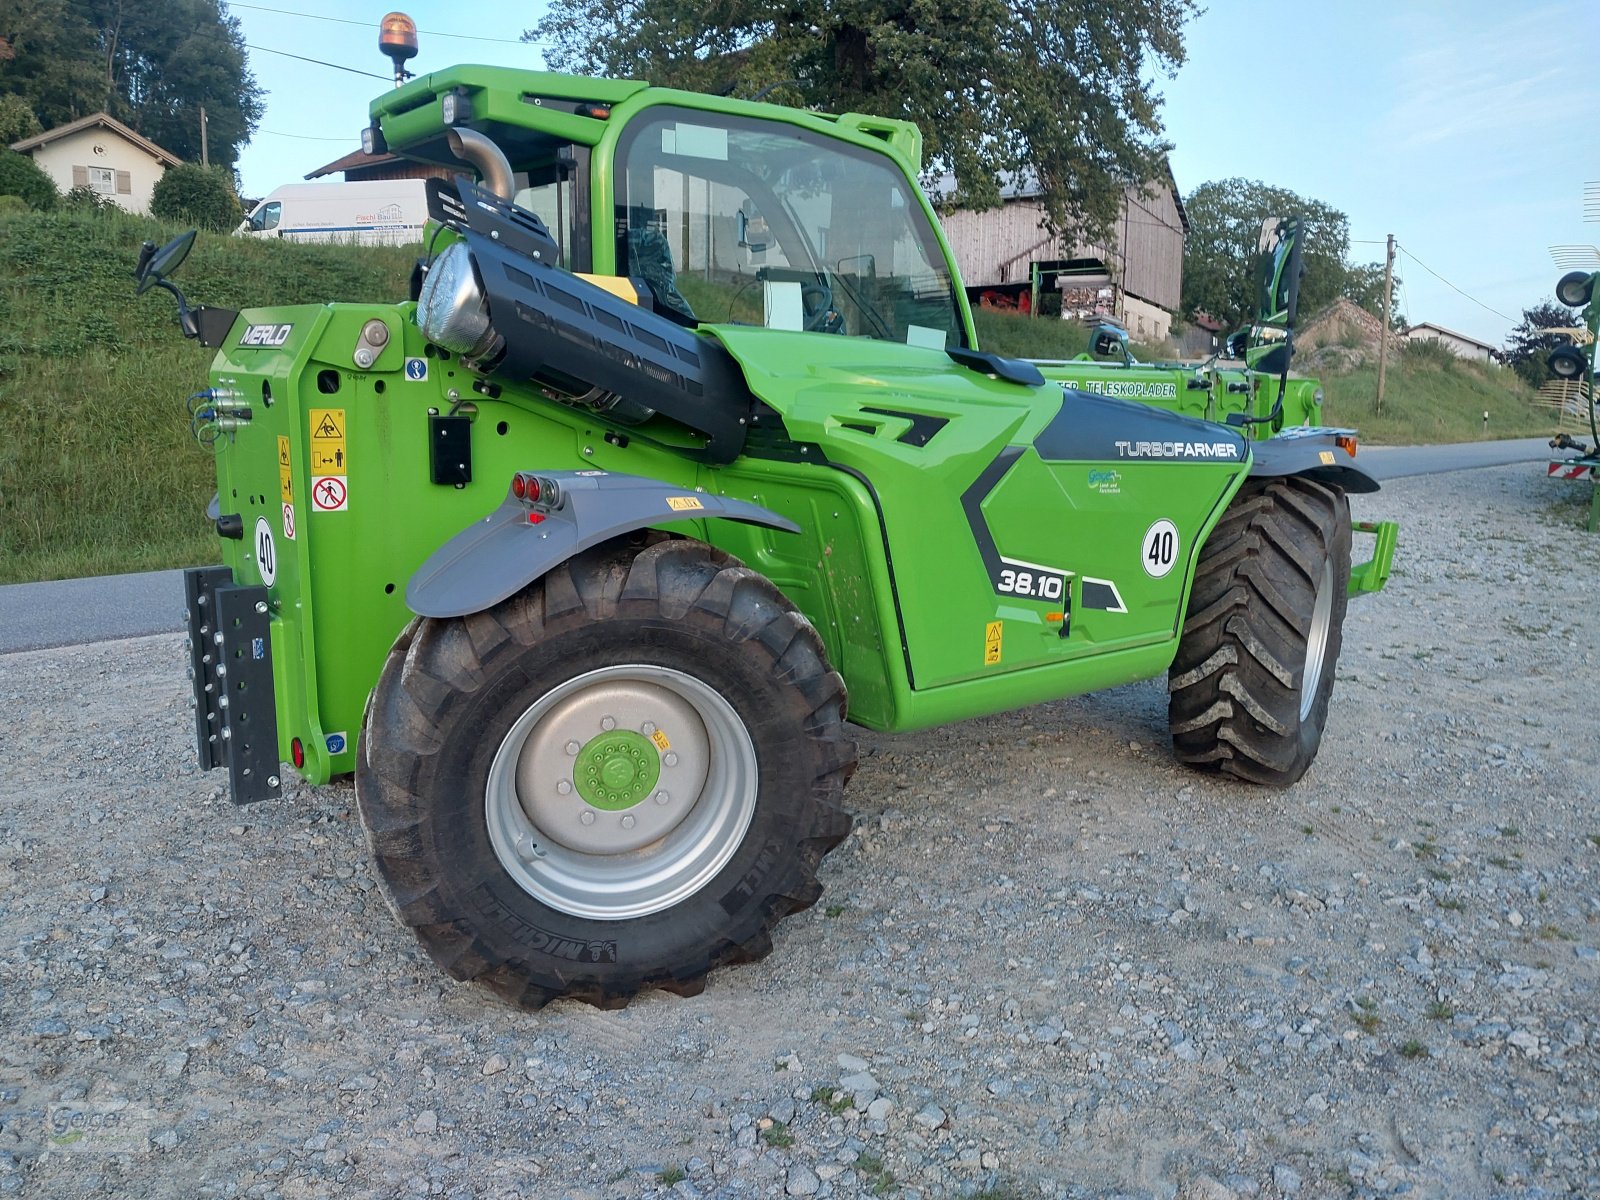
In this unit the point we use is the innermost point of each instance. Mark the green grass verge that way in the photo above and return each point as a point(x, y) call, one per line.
point(98, 473)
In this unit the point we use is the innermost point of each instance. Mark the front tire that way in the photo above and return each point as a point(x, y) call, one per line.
point(1249, 687)
point(620, 778)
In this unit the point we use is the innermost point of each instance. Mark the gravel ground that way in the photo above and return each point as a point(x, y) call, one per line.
point(1048, 962)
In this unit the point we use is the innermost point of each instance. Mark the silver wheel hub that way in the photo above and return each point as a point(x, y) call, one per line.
point(621, 792)
point(1317, 641)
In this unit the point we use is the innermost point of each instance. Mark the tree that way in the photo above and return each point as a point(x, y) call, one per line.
point(1528, 344)
point(197, 195)
point(151, 64)
point(1219, 253)
point(1059, 91)
point(16, 120)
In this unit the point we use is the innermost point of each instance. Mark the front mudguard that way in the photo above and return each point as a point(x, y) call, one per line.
point(518, 543)
point(1325, 455)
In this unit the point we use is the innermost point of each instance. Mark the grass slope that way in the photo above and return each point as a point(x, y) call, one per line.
point(1432, 396)
point(98, 472)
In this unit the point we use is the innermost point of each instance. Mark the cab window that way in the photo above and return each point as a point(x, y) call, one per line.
point(731, 219)
point(267, 216)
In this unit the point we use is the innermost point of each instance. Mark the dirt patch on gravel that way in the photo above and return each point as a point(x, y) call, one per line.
point(1048, 962)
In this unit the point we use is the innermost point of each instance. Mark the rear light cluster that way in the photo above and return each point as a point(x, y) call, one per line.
point(1347, 443)
point(538, 492)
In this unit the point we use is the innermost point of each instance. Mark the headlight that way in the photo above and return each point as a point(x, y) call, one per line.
point(451, 310)
point(1316, 397)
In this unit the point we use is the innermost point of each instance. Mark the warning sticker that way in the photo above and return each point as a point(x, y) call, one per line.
point(992, 633)
point(288, 522)
point(659, 737)
point(327, 442)
point(684, 503)
point(285, 472)
point(329, 493)
point(1326, 456)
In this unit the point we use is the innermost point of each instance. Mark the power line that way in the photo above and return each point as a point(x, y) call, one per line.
point(466, 37)
point(304, 137)
point(319, 62)
point(1457, 290)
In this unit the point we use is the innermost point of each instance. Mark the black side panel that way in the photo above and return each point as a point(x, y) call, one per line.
point(230, 652)
point(1092, 428)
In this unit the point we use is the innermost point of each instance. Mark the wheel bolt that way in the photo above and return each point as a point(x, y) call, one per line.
point(587, 816)
point(647, 728)
point(662, 797)
point(608, 723)
point(627, 821)
point(573, 748)
point(671, 759)
point(563, 787)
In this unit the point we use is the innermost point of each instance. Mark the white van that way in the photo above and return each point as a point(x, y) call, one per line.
point(389, 211)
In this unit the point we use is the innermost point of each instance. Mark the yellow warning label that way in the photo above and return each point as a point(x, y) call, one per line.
point(328, 455)
point(991, 642)
point(285, 471)
point(659, 737)
point(683, 503)
point(327, 424)
point(1326, 456)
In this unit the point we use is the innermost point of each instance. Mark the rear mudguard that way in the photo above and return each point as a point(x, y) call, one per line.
point(518, 543)
point(1315, 453)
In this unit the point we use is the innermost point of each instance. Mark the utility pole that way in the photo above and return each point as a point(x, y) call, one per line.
point(1383, 342)
point(205, 157)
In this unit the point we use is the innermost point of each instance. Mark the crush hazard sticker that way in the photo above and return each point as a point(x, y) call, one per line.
point(328, 455)
point(285, 472)
point(684, 504)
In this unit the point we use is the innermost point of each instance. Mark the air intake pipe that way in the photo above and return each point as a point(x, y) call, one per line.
point(493, 167)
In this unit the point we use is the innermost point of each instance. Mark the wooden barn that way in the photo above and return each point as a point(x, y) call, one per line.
point(1007, 257)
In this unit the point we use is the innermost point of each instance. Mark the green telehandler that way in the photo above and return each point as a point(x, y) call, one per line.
point(682, 452)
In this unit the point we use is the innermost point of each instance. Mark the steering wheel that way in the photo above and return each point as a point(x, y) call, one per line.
point(816, 300)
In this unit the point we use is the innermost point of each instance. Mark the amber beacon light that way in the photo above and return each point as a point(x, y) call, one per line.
point(397, 37)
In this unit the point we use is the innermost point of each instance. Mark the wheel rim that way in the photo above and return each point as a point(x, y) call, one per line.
point(1317, 641)
point(621, 792)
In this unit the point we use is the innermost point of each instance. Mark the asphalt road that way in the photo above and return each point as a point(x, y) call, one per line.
point(35, 616)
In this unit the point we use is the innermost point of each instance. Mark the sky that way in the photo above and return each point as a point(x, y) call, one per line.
point(1466, 128)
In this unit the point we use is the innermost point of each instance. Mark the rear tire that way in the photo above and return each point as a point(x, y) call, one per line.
point(1250, 684)
point(594, 873)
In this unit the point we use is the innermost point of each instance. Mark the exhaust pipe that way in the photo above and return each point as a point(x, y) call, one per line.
point(494, 168)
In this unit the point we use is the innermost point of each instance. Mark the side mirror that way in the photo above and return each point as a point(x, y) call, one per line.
point(1568, 362)
point(753, 231)
point(1107, 341)
point(1278, 271)
point(1236, 344)
point(1274, 361)
point(1575, 289)
point(155, 265)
